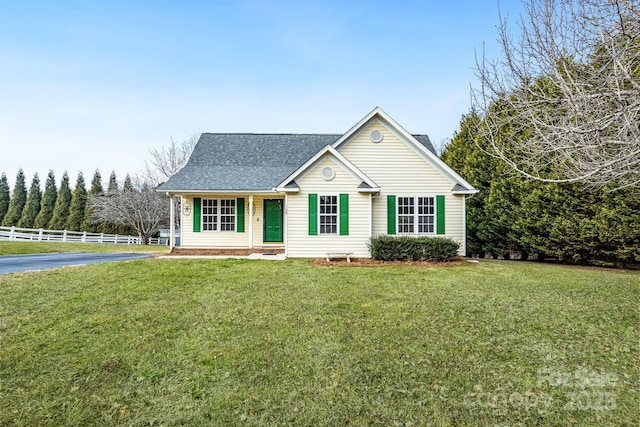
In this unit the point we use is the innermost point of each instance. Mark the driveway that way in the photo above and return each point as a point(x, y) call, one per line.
point(16, 263)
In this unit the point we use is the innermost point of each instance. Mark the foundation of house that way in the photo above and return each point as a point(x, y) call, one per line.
point(224, 251)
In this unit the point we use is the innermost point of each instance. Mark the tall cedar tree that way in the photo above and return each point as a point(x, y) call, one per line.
point(63, 201)
point(112, 188)
point(78, 204)
point(48, 202)
point(17, 202)
point(5, 196)
point(113, 183)
point(127, 186)
point(32, 207)
point(95, 190)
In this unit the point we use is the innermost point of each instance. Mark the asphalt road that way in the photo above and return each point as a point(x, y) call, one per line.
point(16, 263)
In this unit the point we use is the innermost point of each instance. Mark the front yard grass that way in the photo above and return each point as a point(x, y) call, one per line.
point(238, 342)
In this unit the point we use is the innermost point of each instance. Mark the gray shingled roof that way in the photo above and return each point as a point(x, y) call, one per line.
point(249, 162)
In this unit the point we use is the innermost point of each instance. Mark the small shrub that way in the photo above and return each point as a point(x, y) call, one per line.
point(391, 248)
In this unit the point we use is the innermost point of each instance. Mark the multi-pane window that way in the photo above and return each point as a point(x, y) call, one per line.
point(328, 214)
point(218, 214)
point(416, 214)
point(227, 214)
point(426, 215)
point(210, 214)
point(406, 214)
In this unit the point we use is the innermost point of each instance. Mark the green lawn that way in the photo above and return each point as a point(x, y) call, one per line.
point(238, 342)
point(19, 248)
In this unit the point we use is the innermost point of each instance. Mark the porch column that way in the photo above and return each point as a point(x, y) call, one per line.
point(172, 220)
point(370, 215)
point(250, 221)
point(285, 225)
point(464, 225)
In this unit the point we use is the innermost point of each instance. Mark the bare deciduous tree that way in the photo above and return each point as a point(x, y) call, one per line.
point(568, 83)
point(166, 161)
point(138, 204)
point(140, 207)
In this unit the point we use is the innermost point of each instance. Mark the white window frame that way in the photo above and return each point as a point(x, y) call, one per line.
point(220, 216)
point(409, 215)
point(336, 215)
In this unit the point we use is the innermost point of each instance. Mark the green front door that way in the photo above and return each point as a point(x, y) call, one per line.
point(273, 220)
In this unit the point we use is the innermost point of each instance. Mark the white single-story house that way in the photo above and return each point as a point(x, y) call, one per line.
point(311, 194)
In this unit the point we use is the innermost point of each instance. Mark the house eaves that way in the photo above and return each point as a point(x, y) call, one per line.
point(412, 142)
point(286, 184)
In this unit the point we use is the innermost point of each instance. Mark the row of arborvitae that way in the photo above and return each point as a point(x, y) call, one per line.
point(403, 248)
point(56, 208)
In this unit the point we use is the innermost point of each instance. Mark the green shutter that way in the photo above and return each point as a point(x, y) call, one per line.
point(240, 215)
point(196, 214)
point(439, 214)
point(344, 214)
point(391, 214)
point(313, 214)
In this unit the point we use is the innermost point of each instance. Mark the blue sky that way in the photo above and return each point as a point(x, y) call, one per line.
point(86, 85)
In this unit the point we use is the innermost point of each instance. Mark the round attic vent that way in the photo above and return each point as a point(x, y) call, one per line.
point(328, 173)
point(375, 136)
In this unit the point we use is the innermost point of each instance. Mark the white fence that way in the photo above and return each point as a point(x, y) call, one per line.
point(42, 235)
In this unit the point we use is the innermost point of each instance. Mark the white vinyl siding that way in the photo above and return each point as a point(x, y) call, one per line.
point(400, 170)
point(299, 242)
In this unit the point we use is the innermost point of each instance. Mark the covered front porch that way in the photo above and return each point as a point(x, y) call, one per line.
point(229, 223)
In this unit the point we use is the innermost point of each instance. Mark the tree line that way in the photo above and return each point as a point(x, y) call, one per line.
point(59, 208)
point(135, 208)
point(513, 215)
point(552, 141)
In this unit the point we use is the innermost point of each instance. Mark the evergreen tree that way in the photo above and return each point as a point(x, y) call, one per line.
point(48, 202)
point(127, 186)
point(5, 196)
point(108, 227)
point(466, 156)
point(17, 202)
point(565, 221)
point(95, 190)
point(617, 225)
point(77, 206)
point(113, 183)
point(63, 201)
point(32, 206)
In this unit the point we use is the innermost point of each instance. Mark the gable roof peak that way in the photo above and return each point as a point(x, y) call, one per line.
point(328, 150)
point(410, 140)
